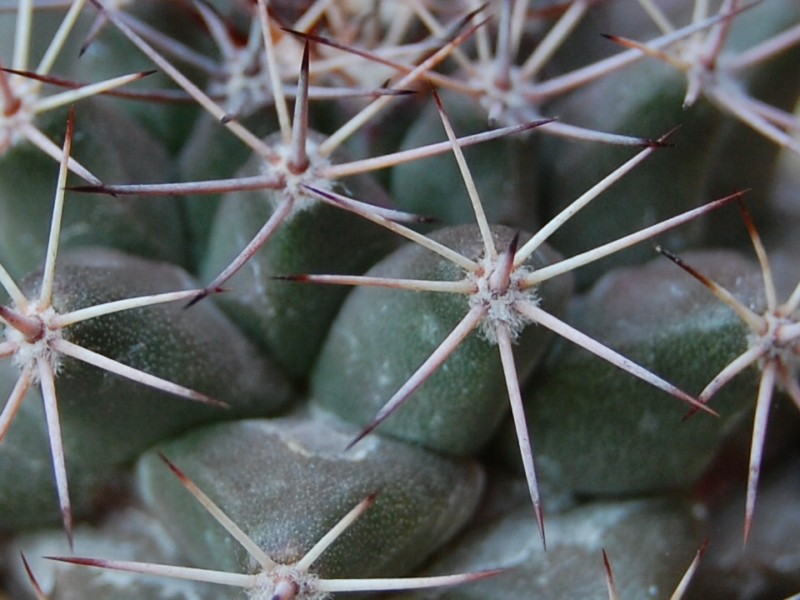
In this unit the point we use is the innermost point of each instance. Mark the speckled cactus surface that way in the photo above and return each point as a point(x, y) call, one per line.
point(400, 298)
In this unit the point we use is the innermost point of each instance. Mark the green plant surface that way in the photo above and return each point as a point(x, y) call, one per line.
point(513, 355)
point(353, 379)
point(654, 315)
point(651, 541)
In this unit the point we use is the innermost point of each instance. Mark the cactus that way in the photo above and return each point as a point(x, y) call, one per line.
point(460, 326)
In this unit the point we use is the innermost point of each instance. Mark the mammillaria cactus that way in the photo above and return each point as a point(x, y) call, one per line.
point(394, 285)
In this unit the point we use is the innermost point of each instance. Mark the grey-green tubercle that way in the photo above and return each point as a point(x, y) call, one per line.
point(354, 378)
point(293, 482)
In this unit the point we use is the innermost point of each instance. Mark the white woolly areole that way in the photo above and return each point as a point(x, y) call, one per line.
point(505, 106)
point(293, 182)
point(286, 582)
point(781, 340)
point(27, 352)
point(500, 302)
point(13, 125)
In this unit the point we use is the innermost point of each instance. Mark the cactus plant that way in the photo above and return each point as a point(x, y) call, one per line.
point(772, 345)
point(260, 204)
point(52, 322)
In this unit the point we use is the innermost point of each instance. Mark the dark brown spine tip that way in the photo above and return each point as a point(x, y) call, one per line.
point(353, 442)
point(663, 139)
point(310, 37)
point(738, 195)
point(734, 197)
point(696, 408)
point(90, 189)
point(398, 92)
point(436, 96)
point(746, 216)
point(77, 560)
point(703, 547)
point(490, 573)
point(702, 279)
point(651, 143)
point(212, 401)
point(473, 13)
point(300, 278)
point(31, 576)
point(70, 124)
point(537, 123)
point(295, 32)
point(360, 436)
point(540, 524)
point(305, 60)
point(178, 473)
point(202, 295)
point(606, 562)
point(689, 414)
point(66, 517)
point(670, 255)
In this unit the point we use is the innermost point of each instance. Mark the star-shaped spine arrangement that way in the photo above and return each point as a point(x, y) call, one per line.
point(37, 341)
point(20, 90)
point(501, 298)
point(716, 75)
point(773, 345)
point(295, 161)
point(273, 580)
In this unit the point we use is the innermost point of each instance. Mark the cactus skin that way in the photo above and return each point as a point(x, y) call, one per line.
point(504, 170)
point(650, 542)
point(422, 499)
point(353, 377)
point(287, 320)
point(107, 421)
point(646, 99)
point(204, 350)
point(670, 324)
point(118, 150)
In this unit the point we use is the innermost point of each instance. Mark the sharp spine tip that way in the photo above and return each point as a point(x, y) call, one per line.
point(172, 467)
point(201, 296)
point(364, 433)
point(659, 143)
point(299, 278)
point(66, 516)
